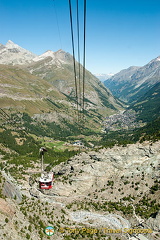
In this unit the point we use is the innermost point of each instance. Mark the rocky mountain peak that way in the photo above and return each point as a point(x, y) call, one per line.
point(13, 54)
point(1, 46)
point(60, 56)
point(133, 82)
point(46, 54)
point(63, 56)
point(158, 58)
point(60, 50)
point(49, 52)
point(11, 44)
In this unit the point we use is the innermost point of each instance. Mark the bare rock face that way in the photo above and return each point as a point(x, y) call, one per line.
point(112, 221)
point(154, 222)
point(13, 54)
point(85, 173)
point(83, 190)
point(139, 237)
point(6, 208)
point(130, 83)
point(10, 189)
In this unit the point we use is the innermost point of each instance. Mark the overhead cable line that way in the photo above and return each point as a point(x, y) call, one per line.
point(6, 117)
point(84, 55)
point(4, 113)
point(3, 116)
point(74, 62)
point(57, 24)
point(11, 121)
point(79, 65)
point(80, 83)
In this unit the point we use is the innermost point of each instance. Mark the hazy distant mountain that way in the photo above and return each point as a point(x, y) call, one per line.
point(132, 83)
point(103, 76)
point(13, 54)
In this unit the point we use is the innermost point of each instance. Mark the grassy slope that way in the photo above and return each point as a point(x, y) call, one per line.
point(148, 106)
point(62, 77)
point(25, 92)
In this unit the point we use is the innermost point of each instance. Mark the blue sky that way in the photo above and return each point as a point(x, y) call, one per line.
point(119, 34)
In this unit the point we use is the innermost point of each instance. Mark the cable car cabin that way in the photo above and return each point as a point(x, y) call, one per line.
point(46, 180)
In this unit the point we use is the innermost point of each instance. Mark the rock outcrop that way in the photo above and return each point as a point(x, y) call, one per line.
point(11, 189)
point(95, 170)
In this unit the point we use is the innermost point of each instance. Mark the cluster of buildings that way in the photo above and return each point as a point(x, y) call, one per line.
point(122, 120)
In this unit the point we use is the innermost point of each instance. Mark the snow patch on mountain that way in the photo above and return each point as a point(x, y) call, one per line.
point(48, 53)
point(13, 54)
point(103, 76)
point(57, 57)
point(11, 45)
point(157, 59)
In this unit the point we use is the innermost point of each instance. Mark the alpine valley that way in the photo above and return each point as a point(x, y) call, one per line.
point(105, 157)
point(44, 87)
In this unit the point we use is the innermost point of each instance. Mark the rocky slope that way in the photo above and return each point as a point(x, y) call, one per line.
point(44, 87)
point(22, 92)
point(95, 195)
point(13, 54)
point(147, 106)
point(117, 164)
point(132, 83)
point(19, 89)
point(57, 68)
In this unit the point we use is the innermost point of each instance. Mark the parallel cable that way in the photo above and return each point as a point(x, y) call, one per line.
point(8, 118)
point(74, 62)
point(79, 65)
point(4, 113)
point(57, 23)
point(80, 93)
point(84, 53)
point(3, 117)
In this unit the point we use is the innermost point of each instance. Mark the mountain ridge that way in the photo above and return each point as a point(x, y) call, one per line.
point(103, 76)
point(133, 82)
point(44, 88)
point(13, 54)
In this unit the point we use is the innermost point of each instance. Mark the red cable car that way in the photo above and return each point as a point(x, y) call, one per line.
point(46, 179)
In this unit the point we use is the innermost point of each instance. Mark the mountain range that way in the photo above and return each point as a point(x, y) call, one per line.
point(103, 189)
point(13, 54)
point(103, 76)
point(44, 87)
point(132, 83)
